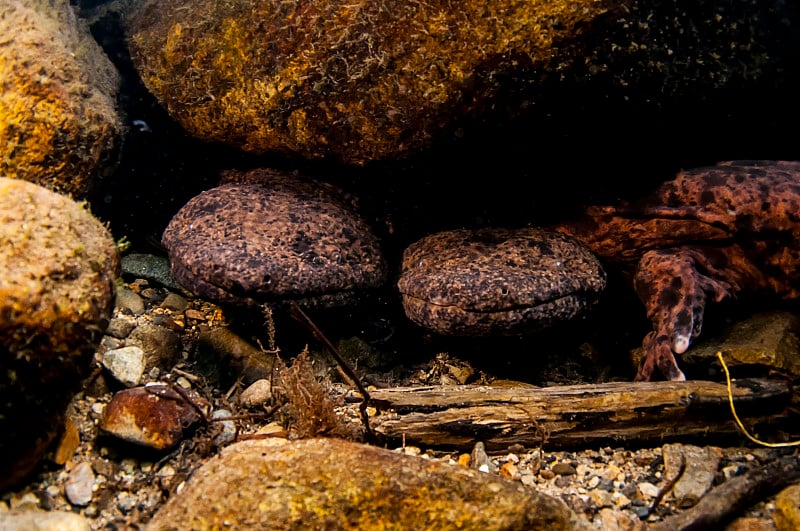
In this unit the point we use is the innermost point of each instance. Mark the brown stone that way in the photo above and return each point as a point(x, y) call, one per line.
point(335, 484)
point(58, 265)
point(59, 125)
point(153, 415)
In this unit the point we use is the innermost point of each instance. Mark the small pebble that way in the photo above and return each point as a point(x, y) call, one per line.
point(410, 450)
point(195, 314)
point(606, 484)
point(27, 501)
point(481, 460)
point(547, 474)
point(228, 431)
point(601, 498)
point(175, 302)
point(125, 364)
point(611, 472)
point(641, 511)
point(563, 481)
point(121, 326)
point(509, 470)
point(257, 393)
point(563, 469)
point(166, 471)
point(149, 416)
point(78, 489)
point(161, 346)
point(621, 500)
point(648, 489)
point(700, 467)
point(731, 471)
point(128, 300)
point(273, 428)
point(126, 501)
point(152, 294)
point(611, 520)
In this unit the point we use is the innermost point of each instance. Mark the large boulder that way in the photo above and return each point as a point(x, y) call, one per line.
point(335, 484)
point(361, 81)
point(58, 121)
point(58, 266)
point(357, 81)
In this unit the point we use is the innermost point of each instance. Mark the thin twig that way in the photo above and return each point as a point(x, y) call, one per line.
point(669, 485)
point(300, 316)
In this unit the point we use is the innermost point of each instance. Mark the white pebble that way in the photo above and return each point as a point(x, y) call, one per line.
point(125, 364)
point(648, 489)
point(80, 485)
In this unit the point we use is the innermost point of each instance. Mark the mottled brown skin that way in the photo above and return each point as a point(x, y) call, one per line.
point(709, 233)
point(497, 281)
point(265, 236)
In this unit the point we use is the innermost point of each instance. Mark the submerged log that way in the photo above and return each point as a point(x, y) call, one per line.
point(618, 413)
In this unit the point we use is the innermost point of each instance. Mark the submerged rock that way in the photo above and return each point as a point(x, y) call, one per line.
point(266, 236)
point(765, 341)
point(59, 126)
point(335, 484)
point(58, 265)
point(357, 81)
point(361, 81)
point(154, 415)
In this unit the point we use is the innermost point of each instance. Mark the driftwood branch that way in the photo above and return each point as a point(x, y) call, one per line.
point(573, 416)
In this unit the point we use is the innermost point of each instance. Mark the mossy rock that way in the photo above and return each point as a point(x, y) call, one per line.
point(58, 266)
point(59, 124)
point(355, 81)
point(361, 81)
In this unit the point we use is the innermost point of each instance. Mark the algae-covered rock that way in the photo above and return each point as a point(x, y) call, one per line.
point(58, 265)
point(360, 80)
point(58, 122)
point(335, 484)
point(357, 81)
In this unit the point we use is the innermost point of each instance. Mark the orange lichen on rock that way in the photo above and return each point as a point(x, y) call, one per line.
point(59, 125)
point(357, 81)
